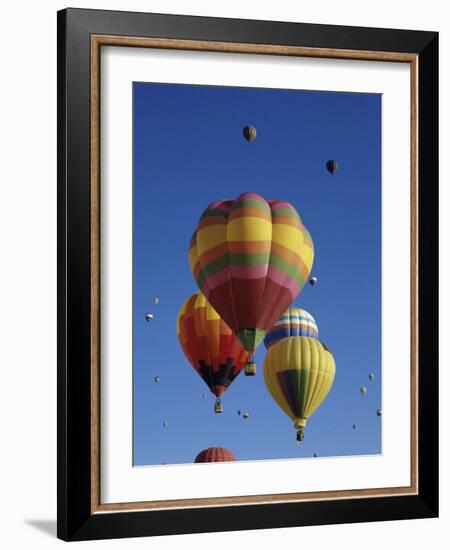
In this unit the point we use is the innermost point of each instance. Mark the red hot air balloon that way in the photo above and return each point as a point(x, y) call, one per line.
point(215, 454)
point(250, 258)
point(210, 345)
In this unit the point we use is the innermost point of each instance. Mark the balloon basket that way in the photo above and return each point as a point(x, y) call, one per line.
point(218, 407)
point(300, 435)
point(250, 369)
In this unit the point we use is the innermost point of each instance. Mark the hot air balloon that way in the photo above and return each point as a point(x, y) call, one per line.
point(209, 345)
point(354, 426)
point(332, 166)
point(379, 412)
point(299, 372)
point(371, 376)
point(148, 316)
point(249, 133)
point(250, 258)
point(363, 390)
point(165, 424)
point(156, 379)
point(245, 416)
point(293, 322)
point(313, 281)
point(215, 454)
point(156, 301)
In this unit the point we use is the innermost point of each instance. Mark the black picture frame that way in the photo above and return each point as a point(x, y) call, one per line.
point(75, 518)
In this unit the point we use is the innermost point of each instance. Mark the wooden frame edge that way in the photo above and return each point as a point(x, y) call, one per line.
point(261, 49)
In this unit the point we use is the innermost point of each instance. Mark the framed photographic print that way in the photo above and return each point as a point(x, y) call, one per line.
point(248, 295)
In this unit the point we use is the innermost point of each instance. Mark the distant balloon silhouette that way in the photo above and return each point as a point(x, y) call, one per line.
point(249, 133)
point(332, 166)
point(371, 376)
point(313, 281)
point(148, 316)
point(363, 390)
point(379, 412)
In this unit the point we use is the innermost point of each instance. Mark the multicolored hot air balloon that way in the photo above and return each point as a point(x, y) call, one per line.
point(210, 345)
point(299, 372)
point(250, 258)
point(215, 454)
point(294, 322)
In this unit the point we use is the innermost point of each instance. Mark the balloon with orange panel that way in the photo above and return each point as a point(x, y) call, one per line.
point(210, 345)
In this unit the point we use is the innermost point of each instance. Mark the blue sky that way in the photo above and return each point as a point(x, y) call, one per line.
point(188, 150)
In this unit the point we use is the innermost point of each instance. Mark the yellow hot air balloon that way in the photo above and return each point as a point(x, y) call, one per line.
point(299, 372)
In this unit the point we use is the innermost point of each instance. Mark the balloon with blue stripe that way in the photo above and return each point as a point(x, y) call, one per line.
point(294, 322)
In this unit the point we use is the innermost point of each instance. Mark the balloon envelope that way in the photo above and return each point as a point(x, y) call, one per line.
point(249, 132)
point(215, 454)
point(332, 166)
point(251, 258)
point(293, 322)
point(299, 372)
point(208, 343)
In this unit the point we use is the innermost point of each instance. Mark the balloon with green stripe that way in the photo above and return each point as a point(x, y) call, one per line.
point(299, 372)
point(250, 257)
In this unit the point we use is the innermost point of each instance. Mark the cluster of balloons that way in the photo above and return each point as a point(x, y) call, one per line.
point(250, 259)
point(299, 369)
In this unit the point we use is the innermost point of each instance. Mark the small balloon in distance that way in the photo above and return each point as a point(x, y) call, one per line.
point(313, 281)
point(363, 390)
point(249, 133)
point(165, 424)
point(245, 416)
point(149, 317)
point(379, 412)
point(332, 166)
point(371, 376)
point(156, 301)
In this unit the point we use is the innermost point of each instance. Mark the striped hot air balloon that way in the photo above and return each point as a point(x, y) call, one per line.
point(293, 322)
point(215, 454)
point(250, 258)
point(299, 372)
point(209, 345)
